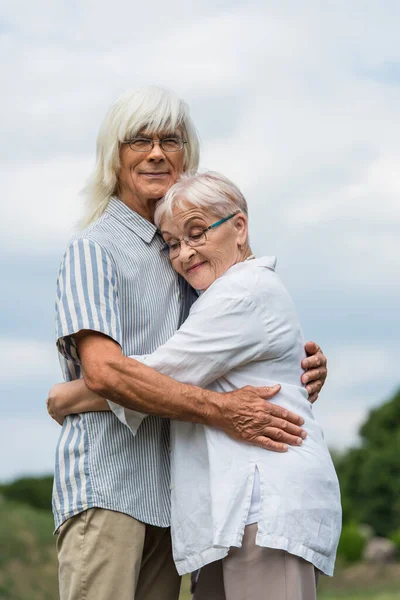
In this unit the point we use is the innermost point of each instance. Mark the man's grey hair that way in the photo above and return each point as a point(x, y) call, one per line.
point(209, 190)
point(152, 108)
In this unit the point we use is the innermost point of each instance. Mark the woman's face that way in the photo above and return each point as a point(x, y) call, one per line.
point(202, 265)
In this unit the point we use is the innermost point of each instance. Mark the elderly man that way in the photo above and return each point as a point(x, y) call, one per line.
point(118, 296)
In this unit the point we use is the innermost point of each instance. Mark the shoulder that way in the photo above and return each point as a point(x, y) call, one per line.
point(90, 255)
point(241, 286)
point(96, 233)
point(251, 285)
point(248, 279)
point(93, 238)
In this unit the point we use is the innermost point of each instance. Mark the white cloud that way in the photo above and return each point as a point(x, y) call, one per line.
point(44, 203)
point(340, 427)
point(25, 360)
point(29, 445)
point(355, 373)
point(360, 364)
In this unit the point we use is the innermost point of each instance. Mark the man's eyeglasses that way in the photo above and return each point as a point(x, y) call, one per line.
point(167, 144)
point(197, 237)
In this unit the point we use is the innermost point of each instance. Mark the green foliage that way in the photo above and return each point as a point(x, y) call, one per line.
point(351, 544)
point(382, 424)
point(28, 563)
point(395, 537)
point(35, 491)
point(370, 475)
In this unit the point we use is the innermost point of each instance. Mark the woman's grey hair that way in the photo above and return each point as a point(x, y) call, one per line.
point(209, 190)
point(152, 108)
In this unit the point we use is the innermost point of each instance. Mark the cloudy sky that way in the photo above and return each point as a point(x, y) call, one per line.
point(297, 101)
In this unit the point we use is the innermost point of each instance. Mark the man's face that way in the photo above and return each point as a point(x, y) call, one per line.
point(144, 177)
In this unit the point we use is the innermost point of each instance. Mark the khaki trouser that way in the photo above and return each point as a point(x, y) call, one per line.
point(255, 573)
point(107, 555)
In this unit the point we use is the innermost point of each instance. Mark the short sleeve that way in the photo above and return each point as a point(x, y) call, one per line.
point(87, 296)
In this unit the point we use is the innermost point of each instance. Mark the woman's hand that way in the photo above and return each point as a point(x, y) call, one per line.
point(315, 366)
point(72, 398)
point(55, 403)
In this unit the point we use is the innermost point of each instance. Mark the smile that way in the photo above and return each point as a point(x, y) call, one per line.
point(195, 267)
point(155, 175)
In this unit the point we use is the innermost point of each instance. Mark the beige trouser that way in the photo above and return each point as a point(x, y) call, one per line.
point(107, 555)
point(255, 573)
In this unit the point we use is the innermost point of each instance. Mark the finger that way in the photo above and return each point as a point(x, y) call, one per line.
point(312, 398)
point(266, 392)
point(283, 413)
point(268, 444)
point(314, 387)
point(314, 361)
point(312, 348)
point(278, 435)
point(314, 375)
point(293, 430)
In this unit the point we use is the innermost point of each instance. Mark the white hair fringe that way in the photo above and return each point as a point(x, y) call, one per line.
point(152, 108)
point(209, 190)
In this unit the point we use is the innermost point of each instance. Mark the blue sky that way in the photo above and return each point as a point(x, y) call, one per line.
point(297, 102)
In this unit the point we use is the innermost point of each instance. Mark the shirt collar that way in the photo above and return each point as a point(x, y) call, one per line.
point(131, 219)
point(266, 261)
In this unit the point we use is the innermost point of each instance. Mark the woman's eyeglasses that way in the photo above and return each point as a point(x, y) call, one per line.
point(197, 237)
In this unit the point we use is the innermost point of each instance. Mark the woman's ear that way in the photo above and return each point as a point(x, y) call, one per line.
point(241, 227)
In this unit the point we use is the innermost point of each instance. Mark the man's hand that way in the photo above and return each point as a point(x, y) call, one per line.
point(315, 366)
point(246, 415)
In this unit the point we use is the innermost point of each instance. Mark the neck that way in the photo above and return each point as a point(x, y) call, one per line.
point(246, 253)
point(142, 206)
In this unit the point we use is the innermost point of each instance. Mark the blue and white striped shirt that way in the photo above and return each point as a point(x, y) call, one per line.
point(113, 279)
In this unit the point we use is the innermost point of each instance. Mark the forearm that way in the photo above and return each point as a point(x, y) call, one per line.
point(133, 385)
point(72, 398)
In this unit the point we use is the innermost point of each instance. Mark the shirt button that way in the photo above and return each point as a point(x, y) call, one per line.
point(171, 487)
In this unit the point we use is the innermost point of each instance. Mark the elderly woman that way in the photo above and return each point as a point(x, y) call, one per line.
point(258, 524)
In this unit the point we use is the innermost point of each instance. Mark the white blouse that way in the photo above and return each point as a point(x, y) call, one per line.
point(244, 331)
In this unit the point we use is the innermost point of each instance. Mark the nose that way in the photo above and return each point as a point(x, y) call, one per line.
point(156, 153)
point(186, 252)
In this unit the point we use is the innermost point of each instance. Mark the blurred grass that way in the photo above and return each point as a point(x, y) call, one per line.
point(185, 594)
point(373, 596)
point(28, 564)
point(368, 595)
point(372, 582)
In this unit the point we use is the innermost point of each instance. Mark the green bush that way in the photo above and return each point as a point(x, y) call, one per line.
point(34, 491)
point(369, 474)
point(351, 544)
point(28, 561)
point(395, 537)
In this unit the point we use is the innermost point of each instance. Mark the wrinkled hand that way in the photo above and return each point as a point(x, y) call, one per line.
point(246, 415)
point(54, 404)
point(315, 366)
